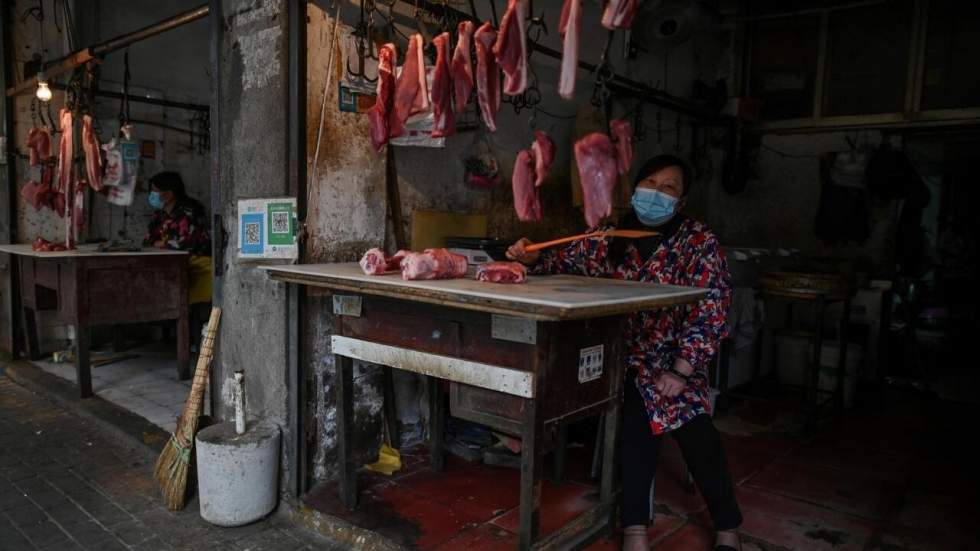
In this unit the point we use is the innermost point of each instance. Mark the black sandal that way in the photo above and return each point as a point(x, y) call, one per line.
point(725, 548)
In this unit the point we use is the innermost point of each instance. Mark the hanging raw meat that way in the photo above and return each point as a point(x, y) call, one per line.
point(66, 151)
point(568, 28)
point(501, 272)
point(510, 48)
point(444, 122)
point(595, 156)
point(487, 75)
point(622, 135)
point(93, 154)
point(527, 201)
point(462, 67)
point(543, 151)
point(38, 145)
point(375, 262)
point(379, 113)
point(619, 14)
point(411, 89)
point(433, 264)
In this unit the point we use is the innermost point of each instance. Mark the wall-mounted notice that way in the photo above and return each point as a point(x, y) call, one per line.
point(267, 228)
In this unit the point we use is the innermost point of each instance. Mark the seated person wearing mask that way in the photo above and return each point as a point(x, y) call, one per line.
point(180, 222)
point(666, 384)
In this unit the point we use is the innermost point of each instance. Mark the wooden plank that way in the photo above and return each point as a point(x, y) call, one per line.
point(542, 297)
point(493, 377)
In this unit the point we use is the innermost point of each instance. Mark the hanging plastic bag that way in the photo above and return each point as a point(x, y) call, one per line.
point(122, 168)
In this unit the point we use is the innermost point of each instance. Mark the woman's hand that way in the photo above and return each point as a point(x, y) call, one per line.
point(670, 385)
point(518, 252)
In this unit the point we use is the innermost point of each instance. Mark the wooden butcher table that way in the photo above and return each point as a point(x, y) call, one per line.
point(523, 359)
point(88, 288)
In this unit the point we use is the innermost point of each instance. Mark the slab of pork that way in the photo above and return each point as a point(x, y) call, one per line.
point(501, 272)
point(487, 75)
point(598, 171)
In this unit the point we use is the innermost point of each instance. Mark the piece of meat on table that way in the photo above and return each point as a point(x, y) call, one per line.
point(38, 145)
point(462, 67)
point(487, 75)
point(66, 151)
point(93, 154)
point(510, 48)
point(501, 272)
point(527, 201)
point(411, 88)
point(598, 172)
point(568, 28)
point(43, 245)
point(444, 121)
point(433, 264)
point(376, 262)
point(379, 113)
point(622, 135)
point(619, 14)
point(543, 151)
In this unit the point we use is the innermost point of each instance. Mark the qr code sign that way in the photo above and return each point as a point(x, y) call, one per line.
point(280, 222)
point(253, 233)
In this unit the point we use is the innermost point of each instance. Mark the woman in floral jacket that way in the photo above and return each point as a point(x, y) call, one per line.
point(666, 387)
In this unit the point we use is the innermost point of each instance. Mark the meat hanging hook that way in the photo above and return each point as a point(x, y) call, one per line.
point(362, 34)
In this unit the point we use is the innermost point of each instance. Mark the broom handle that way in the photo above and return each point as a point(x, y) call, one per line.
point(194, 402)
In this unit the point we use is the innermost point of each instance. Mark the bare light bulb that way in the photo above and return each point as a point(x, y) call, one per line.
point(43, 91)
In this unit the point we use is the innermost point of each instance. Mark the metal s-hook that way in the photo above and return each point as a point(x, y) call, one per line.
point(362, 34)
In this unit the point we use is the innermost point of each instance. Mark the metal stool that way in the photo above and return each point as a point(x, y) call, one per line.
point(817, 290)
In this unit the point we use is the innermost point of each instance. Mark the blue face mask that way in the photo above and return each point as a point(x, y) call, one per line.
point(155, 200)
point(653, 207)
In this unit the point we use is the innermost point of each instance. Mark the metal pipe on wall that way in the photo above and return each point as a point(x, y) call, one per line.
point(81, 57)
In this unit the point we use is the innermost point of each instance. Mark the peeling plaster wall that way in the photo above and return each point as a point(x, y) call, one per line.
point(346, 215)
point(253, 130)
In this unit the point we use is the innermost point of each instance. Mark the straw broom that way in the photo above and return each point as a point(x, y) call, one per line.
point(171, 468)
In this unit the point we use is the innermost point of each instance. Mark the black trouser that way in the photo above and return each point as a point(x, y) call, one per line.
point(701, 447)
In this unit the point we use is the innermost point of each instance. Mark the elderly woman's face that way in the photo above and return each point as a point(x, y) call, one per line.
point(668, 180)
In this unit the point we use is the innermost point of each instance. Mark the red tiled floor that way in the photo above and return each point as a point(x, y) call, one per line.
point(559, 505)
point(663, 526)
point(884, 465)
point(436, 523)
point(483, 492)
point(486, 537)
point(843, 491)
point(793, 524)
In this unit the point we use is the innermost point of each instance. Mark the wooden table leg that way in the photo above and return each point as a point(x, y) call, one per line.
point(437, 425)
point(344, 386)
point(83, 367)
point(561, 449)
point(842, 357)
point(530, 476)
point(183, 346)
point(390, 407)
point(813, 390)
point(31, 342)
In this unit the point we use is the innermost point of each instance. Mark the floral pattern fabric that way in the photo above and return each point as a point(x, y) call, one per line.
point(183, 229)
point(690, 256)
